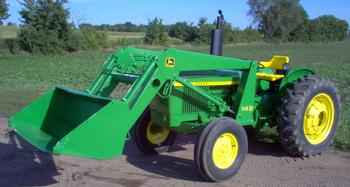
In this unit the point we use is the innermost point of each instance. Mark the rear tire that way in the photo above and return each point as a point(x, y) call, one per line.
point(221, 150)
point(308, 116)
point(151, 139)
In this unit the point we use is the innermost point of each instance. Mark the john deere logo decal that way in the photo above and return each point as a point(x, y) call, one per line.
point(170, 62)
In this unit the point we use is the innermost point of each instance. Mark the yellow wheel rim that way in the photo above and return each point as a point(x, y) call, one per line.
point(157, 134)
point(225, 151)
point(319, 118)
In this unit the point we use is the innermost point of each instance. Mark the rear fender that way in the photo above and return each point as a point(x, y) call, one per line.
point(293, 75)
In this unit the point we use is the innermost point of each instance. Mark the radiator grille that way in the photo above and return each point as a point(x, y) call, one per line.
point(191, 101)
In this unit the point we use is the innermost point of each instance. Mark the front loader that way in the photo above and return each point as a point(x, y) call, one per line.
point(150, 96)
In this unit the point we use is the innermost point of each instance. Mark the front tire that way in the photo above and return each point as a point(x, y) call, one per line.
point(221, 150)
point(150, 138)
point(308, 116)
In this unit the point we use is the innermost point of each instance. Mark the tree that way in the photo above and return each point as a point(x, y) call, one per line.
point(184, 31)
point(11, 24)
point(45, 27)
point(245, 36)
point(156, 33)
point(276, 19)
point(328, 28)
point(204, 30)
point(301, 33)
point(3, 11)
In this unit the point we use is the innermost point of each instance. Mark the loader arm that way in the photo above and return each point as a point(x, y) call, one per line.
point(157, 71)
point(163, 67)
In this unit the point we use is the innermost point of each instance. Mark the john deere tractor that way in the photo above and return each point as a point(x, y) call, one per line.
point(153, 95)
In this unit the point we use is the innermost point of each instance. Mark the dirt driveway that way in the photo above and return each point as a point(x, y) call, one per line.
point(266, 165)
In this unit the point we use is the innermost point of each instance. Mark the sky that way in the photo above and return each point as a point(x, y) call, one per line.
point(171, 11)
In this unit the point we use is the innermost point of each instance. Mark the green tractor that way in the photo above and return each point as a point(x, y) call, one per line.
point(153, 95)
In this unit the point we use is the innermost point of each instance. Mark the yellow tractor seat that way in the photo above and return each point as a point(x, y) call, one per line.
point(277, 62)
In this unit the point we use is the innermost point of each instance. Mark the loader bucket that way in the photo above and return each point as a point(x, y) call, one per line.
point(69, 122)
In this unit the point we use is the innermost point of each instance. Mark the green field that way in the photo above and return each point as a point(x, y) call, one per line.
point(7, 32)
point(119, 35)
point(114, 38)
point(11, 32)
point(24, 77)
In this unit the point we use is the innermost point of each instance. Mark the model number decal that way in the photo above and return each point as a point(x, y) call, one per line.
point(249, 108)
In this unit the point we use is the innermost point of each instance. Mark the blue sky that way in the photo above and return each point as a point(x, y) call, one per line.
point(140, 11)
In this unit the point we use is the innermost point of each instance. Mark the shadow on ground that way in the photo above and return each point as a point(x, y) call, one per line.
point(23, 165)
point(167, 165)
point(258, 146)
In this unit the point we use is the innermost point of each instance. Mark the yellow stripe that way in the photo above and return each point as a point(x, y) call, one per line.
point(264, 76)
point(207, 83)
point(269, 77)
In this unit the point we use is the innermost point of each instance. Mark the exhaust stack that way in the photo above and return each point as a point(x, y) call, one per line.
point(217, 36)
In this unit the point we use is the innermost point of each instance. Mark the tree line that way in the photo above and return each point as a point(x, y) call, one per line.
point(274, 21)
point(45, 27)
point(120, 27)
point(159, 33)
point(287, 20)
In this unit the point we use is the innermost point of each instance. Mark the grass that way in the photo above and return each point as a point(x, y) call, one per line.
point(119, 35)
point(125, 38)
point(133, 38)
point(11, 32)
point(7, 32)
point(24, 77)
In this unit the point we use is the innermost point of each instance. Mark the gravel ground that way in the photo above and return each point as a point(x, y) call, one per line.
point(266, 165)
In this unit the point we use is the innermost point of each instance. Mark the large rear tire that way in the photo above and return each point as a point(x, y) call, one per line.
point(308, 116)
point(151, 138)
point(221, 150)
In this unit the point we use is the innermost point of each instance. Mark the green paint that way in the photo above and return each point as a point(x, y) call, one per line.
point(294, 75)
point(95, 123)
